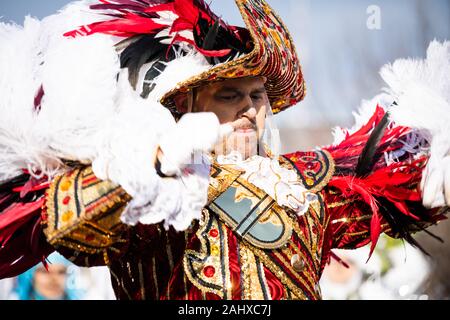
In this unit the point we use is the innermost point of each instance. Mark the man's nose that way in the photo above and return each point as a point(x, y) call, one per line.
point(249, 109)
point(250, 112)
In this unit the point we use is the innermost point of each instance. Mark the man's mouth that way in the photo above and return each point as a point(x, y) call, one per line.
point(245, 125)
point(246, 129)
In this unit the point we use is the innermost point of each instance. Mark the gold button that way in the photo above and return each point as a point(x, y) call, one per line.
point(215, 251)
point(66, 185)
point(67, 216)
point(297, 263)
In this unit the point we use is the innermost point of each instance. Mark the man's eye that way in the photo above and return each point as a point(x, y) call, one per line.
point(228, 97)
point(257, 98)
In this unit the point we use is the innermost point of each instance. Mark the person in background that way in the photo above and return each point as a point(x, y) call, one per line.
point(51, 283)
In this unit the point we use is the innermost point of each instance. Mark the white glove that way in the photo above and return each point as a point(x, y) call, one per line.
point(435, 184)
point(431, 115)
point(421, 89)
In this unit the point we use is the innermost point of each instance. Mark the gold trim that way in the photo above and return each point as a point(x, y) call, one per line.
point(340, 203)
point(141, 280)
point(351, 219)
point(353, 234)
point(301, 236)
point(288, 164)
point(120, 284)
point(196, 80)
point(245, 274)
point(253, 288)
point(278, 272)
point(70, 230)
point(328, 176)
point(155, 278)
point(215, 261)
point(306, 269)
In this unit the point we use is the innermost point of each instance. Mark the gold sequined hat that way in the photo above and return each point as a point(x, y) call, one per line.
point(273, 56)
point(263, 48)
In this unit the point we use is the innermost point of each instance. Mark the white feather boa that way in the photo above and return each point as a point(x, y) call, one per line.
point(88, 116)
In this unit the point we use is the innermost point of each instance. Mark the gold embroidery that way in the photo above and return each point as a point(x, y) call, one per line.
point(340, 203)
point(121, 284)
point(351, 219)
point(252, 289)
point(76, 221)
point(196, 264)
point(269, 210)
point(155, 277)
point(141, 280)
point(287, 265)
point(282, 94)
point(278, 272)
point(307, 245)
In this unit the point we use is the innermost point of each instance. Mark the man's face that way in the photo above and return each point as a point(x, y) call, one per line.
point(241, 102)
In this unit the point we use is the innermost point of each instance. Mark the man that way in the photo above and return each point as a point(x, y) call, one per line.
point(110, 178)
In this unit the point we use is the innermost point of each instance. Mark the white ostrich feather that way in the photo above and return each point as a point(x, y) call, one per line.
point(89, 113)
point(178, 70)
point(421, 90)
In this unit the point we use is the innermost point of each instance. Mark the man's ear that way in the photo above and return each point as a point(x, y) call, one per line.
point(181, 103)
point(184, 102)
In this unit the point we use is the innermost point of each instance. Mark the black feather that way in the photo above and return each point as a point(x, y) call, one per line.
point(9, 197)
point(217, 37)
point(154, 71)
point(403, 226)
point(146, 49)
point(367, 161)
point(211, 36)
point(17, 181)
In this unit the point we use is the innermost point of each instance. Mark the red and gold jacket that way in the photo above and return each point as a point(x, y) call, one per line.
point(267, 253)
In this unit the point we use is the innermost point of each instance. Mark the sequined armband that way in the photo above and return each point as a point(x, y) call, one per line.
point(83, 212)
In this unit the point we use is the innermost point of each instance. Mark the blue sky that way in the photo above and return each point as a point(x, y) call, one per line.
point(340, 55)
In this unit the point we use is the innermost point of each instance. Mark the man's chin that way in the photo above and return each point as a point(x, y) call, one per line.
point(244, 142)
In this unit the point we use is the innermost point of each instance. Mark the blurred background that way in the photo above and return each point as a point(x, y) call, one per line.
point(342, 45)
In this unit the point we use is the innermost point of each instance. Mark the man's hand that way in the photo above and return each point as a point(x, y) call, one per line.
point(435, 184)
point(195, 132)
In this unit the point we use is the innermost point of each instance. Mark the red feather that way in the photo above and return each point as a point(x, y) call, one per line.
point(137, 17)
point(22, 244)
point(209, 53)
point(15, 216)
point(375, 231)
point(129, 25)
point(32, 185)
point(392, 183)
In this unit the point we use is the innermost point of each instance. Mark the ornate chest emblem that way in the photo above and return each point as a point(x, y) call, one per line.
point(250, 212)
